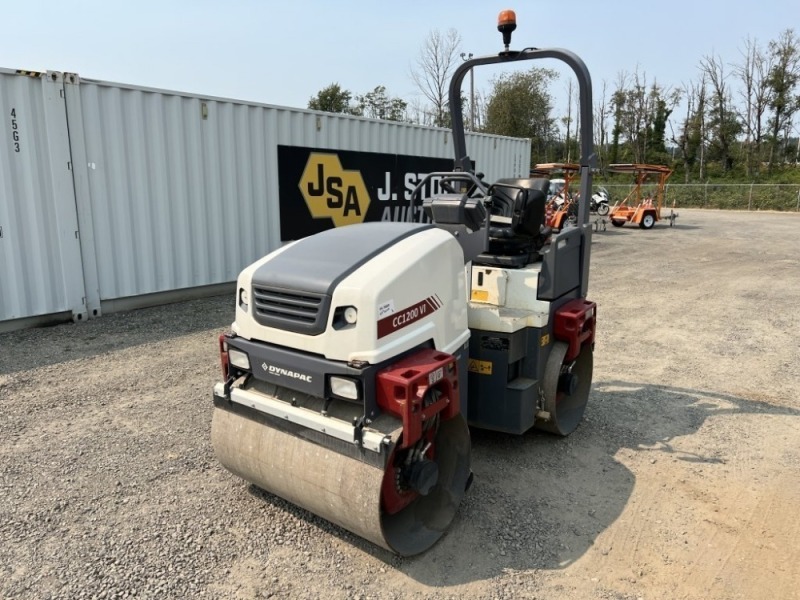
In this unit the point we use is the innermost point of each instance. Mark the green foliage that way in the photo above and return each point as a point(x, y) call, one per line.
point(658, 128)
point(640, 114)
point(783, 80)
point(725, 134)
point(333, 99)
point(377, 104)
point(735, 197)
point(521, 106)
point(780, 174)
point(618, 105)
point(724, 127)
point(726, 196)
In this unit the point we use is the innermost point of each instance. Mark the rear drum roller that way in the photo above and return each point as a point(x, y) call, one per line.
point(349, 492)
point(566, 387)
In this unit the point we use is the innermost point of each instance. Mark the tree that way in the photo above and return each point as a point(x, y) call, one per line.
point(722, 119)
point(783, 79)
point(690, 141)
point(617, 107)
point(437, 60)
point(333, 99)
point(520, 106)
point(635, 116)
point(755, 93)
point(567, 121)
point(480, 110)
point(640, 118)
point(602, 111)
point(377, 104)
point(698, 130)
point(663, 102)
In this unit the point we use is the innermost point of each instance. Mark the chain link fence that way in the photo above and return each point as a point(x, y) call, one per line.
point(732, 196)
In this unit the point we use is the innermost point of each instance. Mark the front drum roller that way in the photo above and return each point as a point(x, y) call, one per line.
point(566, 386)
point(344, 490)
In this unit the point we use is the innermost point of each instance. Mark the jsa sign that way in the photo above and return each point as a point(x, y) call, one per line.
point(320, 189)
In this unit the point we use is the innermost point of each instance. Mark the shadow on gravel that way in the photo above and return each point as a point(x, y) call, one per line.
point(43, 346)
point(679, 225)
point(539, 501)
point(633, 228)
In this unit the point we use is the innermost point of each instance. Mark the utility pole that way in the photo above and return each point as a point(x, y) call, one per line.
point(465, 56)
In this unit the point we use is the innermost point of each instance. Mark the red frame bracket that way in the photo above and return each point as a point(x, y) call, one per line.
point(402, 388)
point(576, 323)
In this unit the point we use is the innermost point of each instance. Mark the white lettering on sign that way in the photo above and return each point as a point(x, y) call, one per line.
point(412, 314)
point(407, 316)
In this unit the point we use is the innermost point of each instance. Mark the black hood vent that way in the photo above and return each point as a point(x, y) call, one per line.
point(301, 312)
point(293, 291)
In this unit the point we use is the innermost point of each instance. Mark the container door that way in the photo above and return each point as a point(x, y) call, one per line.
point(40, 261)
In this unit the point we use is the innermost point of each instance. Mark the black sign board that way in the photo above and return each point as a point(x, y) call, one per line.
point(320, 189)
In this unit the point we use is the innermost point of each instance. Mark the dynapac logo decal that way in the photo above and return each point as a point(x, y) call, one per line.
point(331, 191)
point(281, 372)
point(407, 316)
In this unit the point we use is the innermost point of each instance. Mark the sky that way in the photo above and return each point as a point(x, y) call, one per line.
point(283, 53)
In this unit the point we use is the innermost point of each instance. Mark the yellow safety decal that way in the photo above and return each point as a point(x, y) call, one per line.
point(544, 340)
point(481, 367)
point(480, 295)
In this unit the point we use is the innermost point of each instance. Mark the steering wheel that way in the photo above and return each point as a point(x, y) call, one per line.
point(446, 179)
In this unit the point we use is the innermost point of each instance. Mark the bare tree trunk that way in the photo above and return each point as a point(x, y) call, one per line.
point(701, 113)
point(715, 69)
point(784, 77)
point(568, 119)
point(747, 74)
point(436, 62)
point(600, 123)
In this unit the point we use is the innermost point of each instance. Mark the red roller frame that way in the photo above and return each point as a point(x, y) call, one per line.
point(576, 323)
point(402, 387)
point(223, 355)
point(401, 391)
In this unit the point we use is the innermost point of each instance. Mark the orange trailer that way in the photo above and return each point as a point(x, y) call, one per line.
point(644, 211)
point(558, 214)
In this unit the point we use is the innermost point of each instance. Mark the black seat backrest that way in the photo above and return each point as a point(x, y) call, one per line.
point(522, 201)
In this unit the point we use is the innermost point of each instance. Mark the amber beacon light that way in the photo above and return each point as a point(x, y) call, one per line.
point(506, 23)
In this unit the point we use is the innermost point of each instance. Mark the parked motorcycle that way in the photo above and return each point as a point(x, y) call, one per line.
point(600, 201)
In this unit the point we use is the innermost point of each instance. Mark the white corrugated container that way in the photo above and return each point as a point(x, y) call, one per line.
point(40, 267)
point(174, 191)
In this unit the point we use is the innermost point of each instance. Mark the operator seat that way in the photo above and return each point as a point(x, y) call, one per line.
point(517, 228)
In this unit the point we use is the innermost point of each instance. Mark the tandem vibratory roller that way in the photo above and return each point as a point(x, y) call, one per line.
point(361, 356)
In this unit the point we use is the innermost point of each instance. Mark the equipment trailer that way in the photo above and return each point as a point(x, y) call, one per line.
point(633, 208)
point(561, 206)
point(359, 355)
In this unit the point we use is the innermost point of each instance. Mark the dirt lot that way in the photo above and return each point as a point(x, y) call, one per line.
point(683, 481)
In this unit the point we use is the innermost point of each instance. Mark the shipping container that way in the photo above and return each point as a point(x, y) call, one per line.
point(40, 264)
point(169, 192)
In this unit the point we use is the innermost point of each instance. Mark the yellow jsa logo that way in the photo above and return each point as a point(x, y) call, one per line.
point(331, 192)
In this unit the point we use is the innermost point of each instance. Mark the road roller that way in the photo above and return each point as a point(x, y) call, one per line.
point(360, 357)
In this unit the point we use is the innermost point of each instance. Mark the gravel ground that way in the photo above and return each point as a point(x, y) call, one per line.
point(681, 483)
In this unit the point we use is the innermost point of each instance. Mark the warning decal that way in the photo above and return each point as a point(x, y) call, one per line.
point(407, 316)
point(481, 367)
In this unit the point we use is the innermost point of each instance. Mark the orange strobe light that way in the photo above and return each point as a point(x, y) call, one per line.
point(506, 23)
